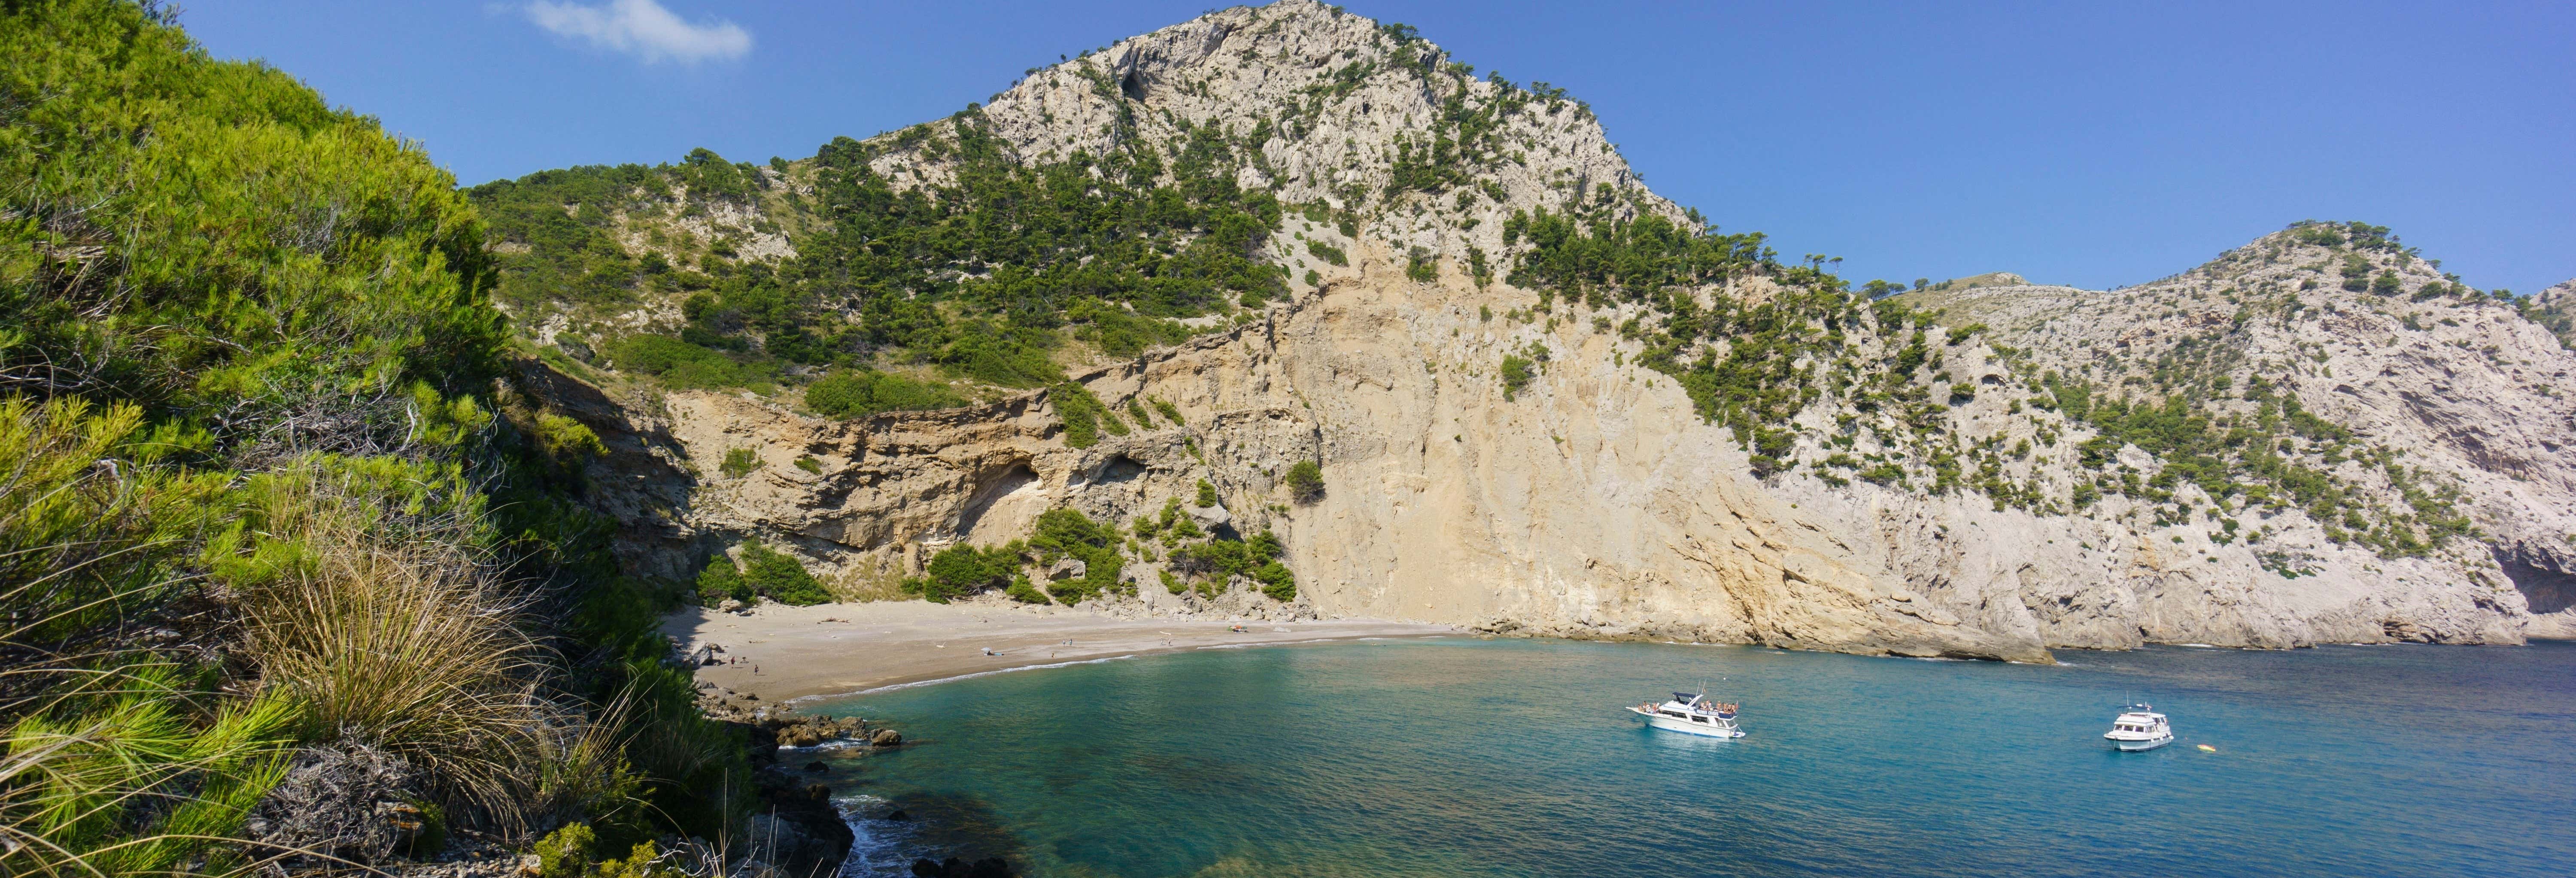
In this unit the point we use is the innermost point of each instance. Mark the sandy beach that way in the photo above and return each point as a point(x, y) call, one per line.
point(783, 653)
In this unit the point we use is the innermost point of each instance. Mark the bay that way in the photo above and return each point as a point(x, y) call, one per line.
point(1462, 756)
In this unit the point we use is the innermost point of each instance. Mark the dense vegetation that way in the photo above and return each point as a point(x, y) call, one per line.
point(857, 394)
point(984, 274)
point(762, 572)
point(1196, 559)
point(979, 275)
point(558, 229)
point(264, 505)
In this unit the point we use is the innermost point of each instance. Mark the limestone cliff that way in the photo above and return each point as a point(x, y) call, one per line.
point(1947, 504)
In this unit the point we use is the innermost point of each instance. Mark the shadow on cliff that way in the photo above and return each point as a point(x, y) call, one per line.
point(640, 480)
point(2545, 590)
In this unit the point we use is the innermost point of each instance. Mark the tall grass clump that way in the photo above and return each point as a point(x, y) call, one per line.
point(265, 503)
point(404, 644)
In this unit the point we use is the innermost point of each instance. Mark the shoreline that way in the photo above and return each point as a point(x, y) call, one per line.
point(783, 656)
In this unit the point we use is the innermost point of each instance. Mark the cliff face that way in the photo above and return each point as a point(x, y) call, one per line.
point(2467, 391)
point(1598, 499)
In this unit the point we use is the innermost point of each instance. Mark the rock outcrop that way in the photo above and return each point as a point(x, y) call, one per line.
point(2462, 385)
point(1599, 500)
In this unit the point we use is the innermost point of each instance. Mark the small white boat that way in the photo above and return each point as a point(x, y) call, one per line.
point(2139, 727)
point(1691, 714)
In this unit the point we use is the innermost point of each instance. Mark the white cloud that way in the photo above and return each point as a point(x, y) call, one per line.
point(642, 28)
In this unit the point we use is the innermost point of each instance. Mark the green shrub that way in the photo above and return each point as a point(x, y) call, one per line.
point(1276, 581)
point(1219, 560)
point(642, 861)
point(722, 581)
point(1147, 524)
point(1306, 481)
point(1328, 253)
point(959, 571)
point(1169, 412)
point(780, 577)
point(1082, 415)
point(568, 445)
point(566, 852)
point(1517, 372)
point(850, 394)
point(2356, 272)
point(682, 365)
point(1207, 494)
point(807, 463)
point(739, 462)
point(1421, 266)
point(1026, 593)
point(1069, 533)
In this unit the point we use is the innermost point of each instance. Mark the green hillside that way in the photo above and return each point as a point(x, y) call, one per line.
point(269, 511)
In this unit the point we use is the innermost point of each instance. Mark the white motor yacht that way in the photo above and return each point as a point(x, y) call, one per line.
point(2139, 727)
point(1691, 714)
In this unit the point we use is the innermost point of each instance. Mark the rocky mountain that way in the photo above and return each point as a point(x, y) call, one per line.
point(2555, 308)
point(1152, 284)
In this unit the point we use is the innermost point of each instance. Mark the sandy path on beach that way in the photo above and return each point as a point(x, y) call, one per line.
point(835, 649)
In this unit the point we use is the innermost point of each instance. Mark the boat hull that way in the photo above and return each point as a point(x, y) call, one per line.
point(2146, 744)
point(1706, 730)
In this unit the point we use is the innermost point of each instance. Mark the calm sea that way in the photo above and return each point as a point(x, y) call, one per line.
point(1513, 757)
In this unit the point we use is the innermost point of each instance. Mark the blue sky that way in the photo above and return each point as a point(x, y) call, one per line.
point(2088, 144)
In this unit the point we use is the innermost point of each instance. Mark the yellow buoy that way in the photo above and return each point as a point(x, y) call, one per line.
point(2209, 748)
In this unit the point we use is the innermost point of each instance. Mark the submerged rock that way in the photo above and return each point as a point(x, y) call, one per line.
point(953, 867)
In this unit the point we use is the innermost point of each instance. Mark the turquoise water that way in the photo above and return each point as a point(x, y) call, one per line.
point(1512, 757)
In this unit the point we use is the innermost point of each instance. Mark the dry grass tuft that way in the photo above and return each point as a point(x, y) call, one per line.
point(860, 586)
point(411, 647)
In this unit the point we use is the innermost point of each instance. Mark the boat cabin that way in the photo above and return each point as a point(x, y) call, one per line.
point(1695, 707)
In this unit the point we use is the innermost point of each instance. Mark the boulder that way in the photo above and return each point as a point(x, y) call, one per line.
point(1208, 518)
point(574, 347)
